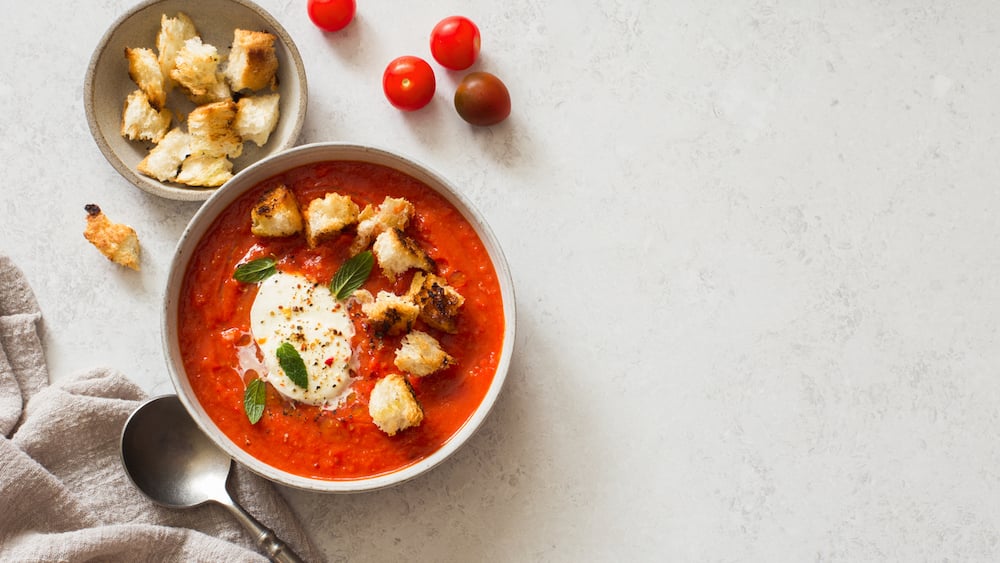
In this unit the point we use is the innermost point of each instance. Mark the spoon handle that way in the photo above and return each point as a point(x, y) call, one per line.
point(267, 540)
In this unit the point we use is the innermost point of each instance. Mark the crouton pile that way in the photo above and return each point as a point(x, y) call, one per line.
point(231, 107)
point(393, 403)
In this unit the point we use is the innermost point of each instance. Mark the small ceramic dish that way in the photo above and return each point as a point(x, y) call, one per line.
point(301, 166)
point(107, 83)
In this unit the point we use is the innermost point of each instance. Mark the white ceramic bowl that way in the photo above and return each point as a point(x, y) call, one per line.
point(245, 181)
point(107, 83)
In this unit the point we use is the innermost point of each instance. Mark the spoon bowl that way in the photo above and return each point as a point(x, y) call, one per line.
point(169, 459)
point(173, 463)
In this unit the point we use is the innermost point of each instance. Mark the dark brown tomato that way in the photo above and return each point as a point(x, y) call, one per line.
point(482, 99)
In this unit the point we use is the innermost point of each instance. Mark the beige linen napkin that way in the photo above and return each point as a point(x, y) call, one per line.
point(63, 493)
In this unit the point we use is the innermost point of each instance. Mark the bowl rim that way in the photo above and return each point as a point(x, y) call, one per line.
point(248, 178)
point(152, 185)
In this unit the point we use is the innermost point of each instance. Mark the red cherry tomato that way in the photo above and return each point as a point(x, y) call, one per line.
point(455, 42)
point(482, 99)
point(408, 83)
point(331, 15)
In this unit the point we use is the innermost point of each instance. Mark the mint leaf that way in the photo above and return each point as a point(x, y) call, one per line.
point(352, 275)
point(253, 400)
point(291, 362)
point(255, 270)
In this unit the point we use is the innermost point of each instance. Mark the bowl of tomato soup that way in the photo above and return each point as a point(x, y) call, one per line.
point(338, 318)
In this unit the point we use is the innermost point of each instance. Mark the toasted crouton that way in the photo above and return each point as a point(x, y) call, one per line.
point(398, 253)
point(421, 354)
point(252, 61)
point(145, 71)
point(276, 214)
point(116, 241)
point(390, 314)
point(392, 405)
point(256, 117)
point(170, 40)
point(196, 68)
point(211, 130)
point(439, 302)
point(328, 216)
point(141, 121)
point(205, 171)
point(392, 213)
point(165, 159)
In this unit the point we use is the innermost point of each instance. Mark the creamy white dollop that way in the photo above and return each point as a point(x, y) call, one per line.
point(290, 308)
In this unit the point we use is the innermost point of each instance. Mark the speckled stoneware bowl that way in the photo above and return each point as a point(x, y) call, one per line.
point(107, 83)
point(247, 180)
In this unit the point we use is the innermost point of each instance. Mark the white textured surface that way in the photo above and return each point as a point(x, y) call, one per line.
point(755, 247)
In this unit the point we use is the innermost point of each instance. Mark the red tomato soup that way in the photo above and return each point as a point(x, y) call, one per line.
point(341, 443)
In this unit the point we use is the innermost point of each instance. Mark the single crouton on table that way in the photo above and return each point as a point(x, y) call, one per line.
point(119, 243)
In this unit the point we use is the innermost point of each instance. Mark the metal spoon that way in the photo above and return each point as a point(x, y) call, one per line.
point(176, 465)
